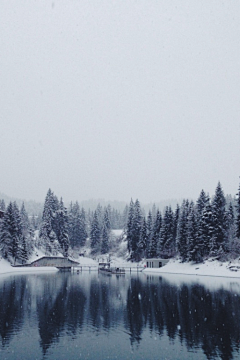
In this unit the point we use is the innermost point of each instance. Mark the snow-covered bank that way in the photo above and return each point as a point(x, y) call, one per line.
point(211, 268)
point(208, 268)
point(5, 268)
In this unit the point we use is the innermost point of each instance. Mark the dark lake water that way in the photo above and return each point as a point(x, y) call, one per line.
point(95, 316)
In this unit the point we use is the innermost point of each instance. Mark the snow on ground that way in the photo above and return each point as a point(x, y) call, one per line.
point(208, 268)
point(5, 268)
point(117, 232)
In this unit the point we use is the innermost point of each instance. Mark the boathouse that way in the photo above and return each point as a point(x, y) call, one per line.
point(156, 263)
point(55, 261)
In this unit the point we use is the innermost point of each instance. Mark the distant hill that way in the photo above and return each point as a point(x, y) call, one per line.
point(32, 207)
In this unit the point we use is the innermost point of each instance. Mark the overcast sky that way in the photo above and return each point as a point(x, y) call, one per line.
point(118, 99)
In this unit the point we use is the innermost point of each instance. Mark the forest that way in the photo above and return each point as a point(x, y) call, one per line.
point(193, 231)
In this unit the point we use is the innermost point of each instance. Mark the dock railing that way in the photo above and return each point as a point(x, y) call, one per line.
point(96, 268)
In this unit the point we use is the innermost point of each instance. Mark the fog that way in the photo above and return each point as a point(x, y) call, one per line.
point(119, 99)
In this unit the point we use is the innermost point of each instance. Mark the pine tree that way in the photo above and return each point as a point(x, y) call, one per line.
point(154, 239)
point(193, 249)
point(83, 228)
point(77, 226)
point(182, 231)
point(166, 240)
point(201, 203)
point(129, 230)
point(11, 240)
point(105, 240)
point(237, 221)
point(230, 231)
point(48, 237)
point(95, 233)
point(105, 232)
point(205, 229)
point(27, 232)
point(218, 216)
point(143, 241)
point(62, 227)
point(136, 229)
point(175, 224)
point(8, 229)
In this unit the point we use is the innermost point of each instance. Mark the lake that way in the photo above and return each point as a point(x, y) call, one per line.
point(136, 316)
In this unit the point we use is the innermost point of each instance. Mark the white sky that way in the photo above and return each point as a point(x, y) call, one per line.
point(118, 99)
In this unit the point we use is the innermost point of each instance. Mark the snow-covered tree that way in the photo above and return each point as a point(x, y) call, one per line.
point(12, 242)
point(27, 231)
point(193, 248)
point(106, 232)
point(136, 229)
point(154, 239)
point(129, 229)
point(62, 228)
point(143, 241)
point(77, 226)
point(237, 221)
point(166, 245)
point(205, 229)
point(218, 217)
point(48, 228)
point(182, 231)
point(95, 233)
point(105, 240)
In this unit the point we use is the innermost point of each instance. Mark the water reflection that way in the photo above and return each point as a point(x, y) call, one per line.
point(68, 306)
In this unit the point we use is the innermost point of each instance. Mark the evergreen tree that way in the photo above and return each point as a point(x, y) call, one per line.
point(201, 203)
point(77, 226)
point(136, 229)
point(237, 221)
point(48, 237)
point(153, 242)
point(149, 231)
point(194, 251)
point(83, 228)
point(27, 231)
point(95, 233)
point(129, 230)
point(166, 240)
point(105, 240)
point(182, 231)
point(205, 229)
point(105, 232)
point(218, 216)
point(230, 231)
point(175, 224)
point(11, 240)
point(143, 241)
point(62, 228)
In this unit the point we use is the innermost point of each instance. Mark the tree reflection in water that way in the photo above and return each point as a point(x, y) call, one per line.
point(69, 305)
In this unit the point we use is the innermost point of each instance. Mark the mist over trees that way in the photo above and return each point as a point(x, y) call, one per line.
point(193, 231)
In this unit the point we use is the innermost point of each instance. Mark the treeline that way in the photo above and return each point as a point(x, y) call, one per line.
point(193, 231)
point(57, 230)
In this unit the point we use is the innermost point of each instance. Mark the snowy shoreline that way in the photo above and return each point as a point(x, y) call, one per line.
point(210, 268)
